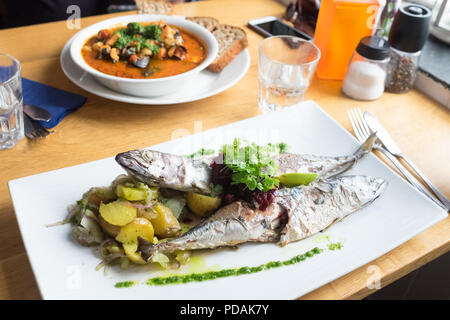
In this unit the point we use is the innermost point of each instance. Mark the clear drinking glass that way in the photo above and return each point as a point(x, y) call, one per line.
point(286, 66)
point(11, 102)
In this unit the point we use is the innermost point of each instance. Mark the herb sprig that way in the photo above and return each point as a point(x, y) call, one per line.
point(135, 32)
point(252, 165)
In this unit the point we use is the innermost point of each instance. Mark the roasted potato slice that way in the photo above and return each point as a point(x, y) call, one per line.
point(202, 205)
point(117, 213)
point(130, 193)
point(110, 229)
point(139, 227)
point(130, 251)
point(128, 236)
point(165, 223)
point(97, 195)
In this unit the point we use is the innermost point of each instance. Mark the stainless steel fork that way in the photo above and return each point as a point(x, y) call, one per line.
point(362, 131)
point(33, 129)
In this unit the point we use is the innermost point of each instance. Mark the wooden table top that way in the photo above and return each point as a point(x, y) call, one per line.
point(103, 128)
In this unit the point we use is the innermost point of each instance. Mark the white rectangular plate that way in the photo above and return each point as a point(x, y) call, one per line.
point(65, 270)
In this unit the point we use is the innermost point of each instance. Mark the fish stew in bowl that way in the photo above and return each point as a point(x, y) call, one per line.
point(144, 51)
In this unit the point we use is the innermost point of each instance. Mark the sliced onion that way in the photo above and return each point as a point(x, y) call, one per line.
point(94, 206)
point(100, 247)
point(69, 217)
point(114, 256)
point(72, 212)
point(141, 206)
point(59, 223)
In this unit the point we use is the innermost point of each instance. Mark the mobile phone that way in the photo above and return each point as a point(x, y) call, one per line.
point(272, 26)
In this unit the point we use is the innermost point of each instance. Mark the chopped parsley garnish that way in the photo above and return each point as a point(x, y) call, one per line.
point(144, 44)
point(135, 32)
point(152, 31)
point(252, 165)
point(335, 246)
point(135, 27)
point(124, 39)
point(282, 147)
point(216, 190)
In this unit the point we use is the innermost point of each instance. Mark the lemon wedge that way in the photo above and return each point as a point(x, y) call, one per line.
point(297, 179)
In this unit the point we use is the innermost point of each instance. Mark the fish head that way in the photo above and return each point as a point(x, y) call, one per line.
point(139, 164)
point(376, 185)
point(359, 190)
point(315, 207)
point(351, 192)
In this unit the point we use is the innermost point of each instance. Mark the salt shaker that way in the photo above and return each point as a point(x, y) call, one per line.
point(366, 71)
point(407, 37)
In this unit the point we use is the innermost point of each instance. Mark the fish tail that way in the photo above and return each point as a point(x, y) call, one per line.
point(147, 249)
point(366, 147)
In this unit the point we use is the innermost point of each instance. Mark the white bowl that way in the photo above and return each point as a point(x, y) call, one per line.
point(144, 87)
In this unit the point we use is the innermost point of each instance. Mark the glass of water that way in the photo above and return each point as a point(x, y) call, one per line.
point(286, 66)
point(11, 102)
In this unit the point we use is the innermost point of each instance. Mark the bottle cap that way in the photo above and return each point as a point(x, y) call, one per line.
point(373, 47)
point(410, 27)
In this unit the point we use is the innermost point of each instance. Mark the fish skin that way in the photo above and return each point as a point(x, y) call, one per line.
point(314, 208)
point(231, 225)
point(186, 174)
point(296, 213)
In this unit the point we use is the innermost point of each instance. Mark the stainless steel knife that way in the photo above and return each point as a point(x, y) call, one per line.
point(389, 143)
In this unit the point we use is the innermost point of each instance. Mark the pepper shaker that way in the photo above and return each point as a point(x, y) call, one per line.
point(407, 37)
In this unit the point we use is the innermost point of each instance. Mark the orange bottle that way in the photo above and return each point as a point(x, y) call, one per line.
point(340, 26)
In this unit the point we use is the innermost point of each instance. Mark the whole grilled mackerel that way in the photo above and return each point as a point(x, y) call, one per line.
point(296, 213)
point(186, 174)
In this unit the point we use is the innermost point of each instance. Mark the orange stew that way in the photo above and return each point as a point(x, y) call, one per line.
point(142, 54)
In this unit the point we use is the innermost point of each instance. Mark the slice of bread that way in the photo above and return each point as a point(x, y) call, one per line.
point(154, 7)
point(209, 23)
point(232, 41)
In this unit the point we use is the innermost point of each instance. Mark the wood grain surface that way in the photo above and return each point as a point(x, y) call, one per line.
point(102, 128)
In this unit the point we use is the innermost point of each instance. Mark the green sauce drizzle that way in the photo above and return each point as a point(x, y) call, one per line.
point(335, 246)
point(125, 284)
point(211, 275)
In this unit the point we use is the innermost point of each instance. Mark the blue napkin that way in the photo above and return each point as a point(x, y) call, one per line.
point(56, 101)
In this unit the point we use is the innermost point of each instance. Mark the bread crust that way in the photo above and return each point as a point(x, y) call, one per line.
point(198, 20)
point(237, 47)
point(145, 5)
